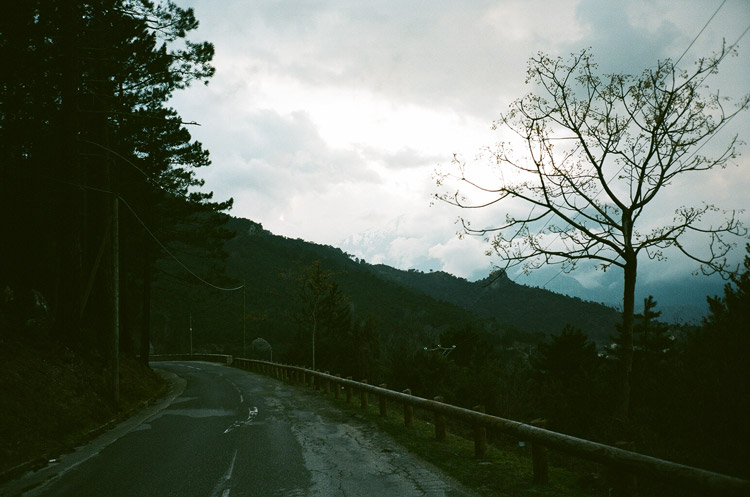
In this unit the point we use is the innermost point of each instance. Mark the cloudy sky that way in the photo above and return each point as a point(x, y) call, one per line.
point(327, 118)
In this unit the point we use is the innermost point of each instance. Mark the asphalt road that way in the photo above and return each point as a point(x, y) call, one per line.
point(223, 432)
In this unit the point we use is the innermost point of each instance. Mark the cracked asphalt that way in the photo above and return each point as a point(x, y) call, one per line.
point(223, 432)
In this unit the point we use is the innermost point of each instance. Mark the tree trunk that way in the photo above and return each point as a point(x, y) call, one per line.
point(626, 356)
point(69, 230)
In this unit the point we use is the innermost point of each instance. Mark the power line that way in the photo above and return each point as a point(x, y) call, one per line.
point(700, 32)
point(172, 255)
point(145, 227)
point(631, 117)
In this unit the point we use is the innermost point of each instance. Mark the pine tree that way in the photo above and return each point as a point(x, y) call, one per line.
point(85, 118)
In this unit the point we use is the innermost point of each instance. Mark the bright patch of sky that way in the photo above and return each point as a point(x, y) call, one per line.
point(326, 119)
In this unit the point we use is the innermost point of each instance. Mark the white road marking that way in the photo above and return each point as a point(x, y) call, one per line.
point(242, 399)
point(224, 479)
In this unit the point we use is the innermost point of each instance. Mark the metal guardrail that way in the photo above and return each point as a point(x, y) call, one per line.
point(627, 463)
point(220, 358)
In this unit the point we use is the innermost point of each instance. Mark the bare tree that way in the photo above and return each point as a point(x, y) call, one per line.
point(597, 152)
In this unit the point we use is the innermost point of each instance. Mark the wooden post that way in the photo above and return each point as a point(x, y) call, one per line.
point(440, 430)
point(348, 391)
point(337, 389)
point(539, 456)
point(480, 437)
point(304, 378)
point(115, 302)
point(328, 383)
point(624, 484)
point(383, 400)
point(408, 412)
point(363, 397)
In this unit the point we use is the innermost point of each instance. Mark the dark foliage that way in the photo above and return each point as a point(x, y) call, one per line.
point(85, 126)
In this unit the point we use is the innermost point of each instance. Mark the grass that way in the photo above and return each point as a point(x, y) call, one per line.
point(506, 470)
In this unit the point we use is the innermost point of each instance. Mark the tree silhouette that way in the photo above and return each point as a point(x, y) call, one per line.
point(323, 309)
point(85, 120)
point(598, 151)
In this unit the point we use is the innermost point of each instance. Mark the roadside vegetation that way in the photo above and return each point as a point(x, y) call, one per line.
point(55, 399)
point(505, 470)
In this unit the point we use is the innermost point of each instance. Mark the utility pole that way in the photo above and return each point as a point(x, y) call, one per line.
point(244, 319)
point(116, 300)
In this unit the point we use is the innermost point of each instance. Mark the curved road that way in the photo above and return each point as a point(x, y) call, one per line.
point(223, 432)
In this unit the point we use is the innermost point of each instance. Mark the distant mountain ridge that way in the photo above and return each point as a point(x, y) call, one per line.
point(680, 298)
point(499, 298)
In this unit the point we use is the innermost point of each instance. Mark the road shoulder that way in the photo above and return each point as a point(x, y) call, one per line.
point(33, 481)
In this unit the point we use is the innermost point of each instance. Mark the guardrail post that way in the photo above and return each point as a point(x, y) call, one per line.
point(363, 400)
point(408, 411)
point(480, 436)
point(311, 379)
point(328, 383)
point(337, 389)
point(348, 391)
point(304, 378)
point(383, 401)
point(440, 431)
point(539, 456)
point(624, 484)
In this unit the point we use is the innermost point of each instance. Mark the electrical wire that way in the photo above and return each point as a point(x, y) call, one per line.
point(184, 266)
point(148, 230)
point(700, 32)
point(731, 47)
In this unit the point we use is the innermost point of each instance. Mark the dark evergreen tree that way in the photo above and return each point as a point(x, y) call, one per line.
point(323, 319)
point(84, 120)
point(566, 373)
point(715, 382)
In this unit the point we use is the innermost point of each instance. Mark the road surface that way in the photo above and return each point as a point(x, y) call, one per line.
point(223, 432)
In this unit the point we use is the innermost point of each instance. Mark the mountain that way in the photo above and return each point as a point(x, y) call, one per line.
point(681, 299)
point(530, 309)
point(681, 295)
point(411, 308)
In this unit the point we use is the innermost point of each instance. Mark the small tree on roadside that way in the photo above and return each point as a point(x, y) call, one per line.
point(323, 309)
point(598, 152)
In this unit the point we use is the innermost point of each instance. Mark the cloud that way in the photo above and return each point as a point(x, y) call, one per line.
point(327, 118)
point(462, 257)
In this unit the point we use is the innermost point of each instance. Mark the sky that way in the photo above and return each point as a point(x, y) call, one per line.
point(327, 119)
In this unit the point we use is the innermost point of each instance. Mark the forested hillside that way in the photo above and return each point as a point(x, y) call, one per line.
point(497, 297)
point(408, 307)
